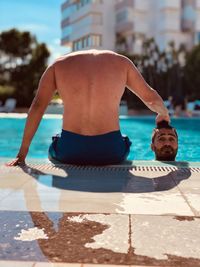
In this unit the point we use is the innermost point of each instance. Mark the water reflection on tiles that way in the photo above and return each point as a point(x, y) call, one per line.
point(103, 190)
point(95, 238)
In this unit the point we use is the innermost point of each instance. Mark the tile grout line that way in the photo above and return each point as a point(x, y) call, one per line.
point(130, 235)
point(186, 200)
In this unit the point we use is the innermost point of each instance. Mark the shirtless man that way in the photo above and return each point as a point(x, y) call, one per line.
point(91, 84)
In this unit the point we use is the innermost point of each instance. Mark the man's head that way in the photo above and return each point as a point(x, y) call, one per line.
point(164, 142)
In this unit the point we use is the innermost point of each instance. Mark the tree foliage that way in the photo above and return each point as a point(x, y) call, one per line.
point(173, 72)
point(22, 62)
point(191, 72)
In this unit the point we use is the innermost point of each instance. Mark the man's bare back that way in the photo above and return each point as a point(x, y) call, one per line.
point(91, 85)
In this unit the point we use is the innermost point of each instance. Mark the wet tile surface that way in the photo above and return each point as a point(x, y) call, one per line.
point(40, 264)
point(57, 237)
point(174, 239)
point(106, 190)
point(100, 238)
point(43, 264)
point(56, 216)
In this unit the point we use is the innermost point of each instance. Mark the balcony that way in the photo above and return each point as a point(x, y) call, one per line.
point(123, 4)
point(78, 13)
point(66, 40)
point(142, 6)
point(79, 31)
point(141, 27)
point(132, 4)
point(168, 4)
point(188, 25)
point(125, 27)
point(68, 3)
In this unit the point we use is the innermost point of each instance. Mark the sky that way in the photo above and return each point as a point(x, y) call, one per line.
point(41, 17)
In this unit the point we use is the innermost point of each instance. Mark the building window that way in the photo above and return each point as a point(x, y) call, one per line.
point(67, 12)
point(188, 16)
point(96, 40)
point(93, 40)
point(122, 16)
point(66, 31)
point(82, 3)
point(97, 1)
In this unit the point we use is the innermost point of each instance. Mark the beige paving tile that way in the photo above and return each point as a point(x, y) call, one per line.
point(132, 192)
point(190, 185)
point(60, 200)
point(37, 195)
point(194, 201)
point(16, 264)
point(104, 265)
point(190, 189)
point(91, 203)
point(12, 180)
point(65, 237)
point(156, 237)
point(110, 238)
point(14, 201)
point(159, 201)
point(50, 264)
point(154, 204)
point(4, 193)
point(32, 199)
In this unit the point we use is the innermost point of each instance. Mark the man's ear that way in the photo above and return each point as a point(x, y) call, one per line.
point(152, 147)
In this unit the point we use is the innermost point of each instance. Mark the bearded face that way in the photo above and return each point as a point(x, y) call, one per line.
point(165, 145)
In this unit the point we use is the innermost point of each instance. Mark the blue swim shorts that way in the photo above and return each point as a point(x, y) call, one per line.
point(103, 149)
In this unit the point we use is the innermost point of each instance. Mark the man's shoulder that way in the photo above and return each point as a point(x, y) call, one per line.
point(119, 59)
point(93, 52)
point(107, 56)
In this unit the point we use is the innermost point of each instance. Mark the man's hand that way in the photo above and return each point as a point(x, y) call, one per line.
point(15, 162)
point(161, 117)
point(20, 158)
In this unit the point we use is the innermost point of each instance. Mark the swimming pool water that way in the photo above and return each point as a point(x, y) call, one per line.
point(139, 130)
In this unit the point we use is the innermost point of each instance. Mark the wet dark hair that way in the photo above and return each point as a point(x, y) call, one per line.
point(162, 125)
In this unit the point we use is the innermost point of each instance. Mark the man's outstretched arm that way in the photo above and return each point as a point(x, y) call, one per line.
point(46, 89)
point(137, 84)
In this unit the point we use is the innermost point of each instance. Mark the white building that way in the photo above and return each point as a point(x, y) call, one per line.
point(132, 24)
point(125, 24)
point(88, 24)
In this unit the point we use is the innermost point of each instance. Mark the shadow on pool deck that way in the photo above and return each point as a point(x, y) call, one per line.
point(109, 179)
point(101, 238)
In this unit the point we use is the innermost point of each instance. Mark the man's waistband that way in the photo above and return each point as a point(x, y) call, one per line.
point(111, 134)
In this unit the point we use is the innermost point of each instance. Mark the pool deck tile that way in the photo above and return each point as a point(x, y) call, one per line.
point(108, 191)
point(190, 190)
point(134, 215)
point(47, 264)
point(166, 238)
point(16, 264)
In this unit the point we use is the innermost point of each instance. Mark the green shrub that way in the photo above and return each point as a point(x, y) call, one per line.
point(6, 91)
